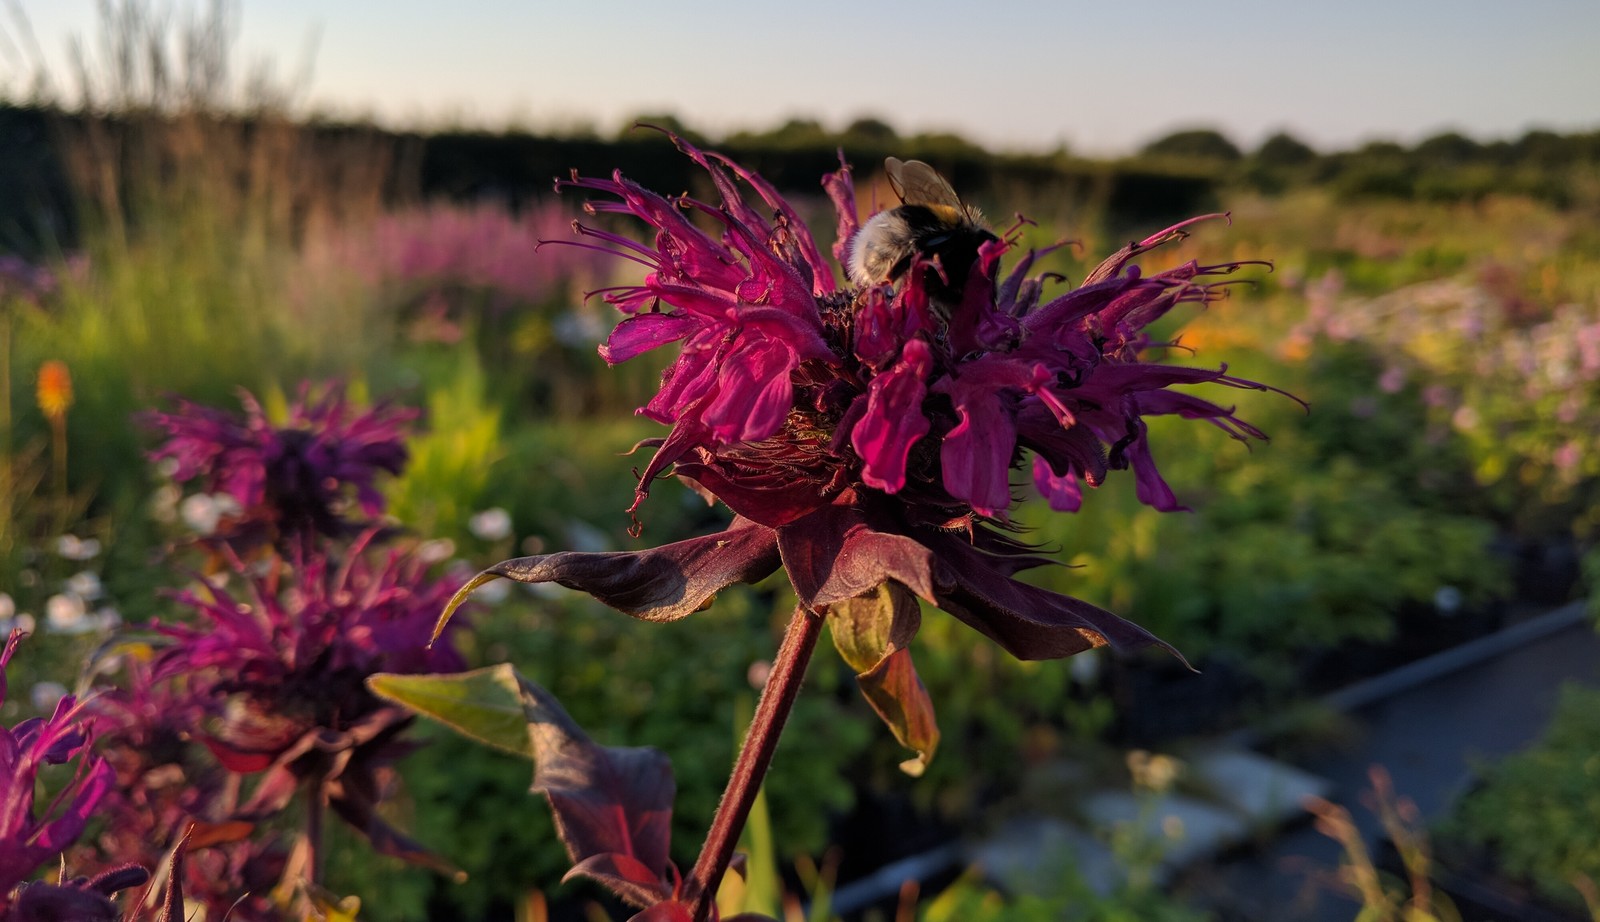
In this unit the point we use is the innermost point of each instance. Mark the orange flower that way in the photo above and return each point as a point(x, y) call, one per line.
point(55, 389)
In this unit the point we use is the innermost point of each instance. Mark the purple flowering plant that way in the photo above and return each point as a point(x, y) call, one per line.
point(32, 838)
point(258, 706)
point(276, 670)
point(865, 439)
point(239, 727)
point(28, 839)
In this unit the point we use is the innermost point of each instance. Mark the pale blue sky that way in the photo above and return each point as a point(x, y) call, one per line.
point(1101, 77)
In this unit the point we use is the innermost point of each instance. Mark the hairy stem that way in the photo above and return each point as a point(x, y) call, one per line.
point(777, 699)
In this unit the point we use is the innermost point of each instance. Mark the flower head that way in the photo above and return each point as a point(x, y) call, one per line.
point(54, 389)
point(274, 678)
point(783, 378)
point(866, 438)
point(288, 655)
point(294, 480)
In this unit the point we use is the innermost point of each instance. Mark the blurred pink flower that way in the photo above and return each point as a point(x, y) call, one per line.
point(292, 481)
point(30, 840)
point(481, 247)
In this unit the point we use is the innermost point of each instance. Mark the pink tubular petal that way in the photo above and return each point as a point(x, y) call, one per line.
point(1062, 491)
point(753, 392)
point(894, 420)
point(65, 829)
point(976, 454)
point(1149, 485)
point(1114, 263)
point(643, 332)
point(690, 377)
point(10, 649)
point(879, 334)
point(841, 189)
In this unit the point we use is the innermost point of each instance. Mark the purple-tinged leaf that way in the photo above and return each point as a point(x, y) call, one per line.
point(665, 911)
point(624, 875)
point(607, 801)
point(1029, 622)
point(674, 911)
point(660, 584)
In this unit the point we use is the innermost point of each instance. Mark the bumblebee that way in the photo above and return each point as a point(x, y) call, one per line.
point(930, 222)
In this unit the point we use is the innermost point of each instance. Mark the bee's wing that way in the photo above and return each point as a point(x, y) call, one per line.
point(919, 184)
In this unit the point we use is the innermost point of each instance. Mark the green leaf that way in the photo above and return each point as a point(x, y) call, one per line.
point(866, 627)
point(873, 633)
point(459, 599)
point(484, 704)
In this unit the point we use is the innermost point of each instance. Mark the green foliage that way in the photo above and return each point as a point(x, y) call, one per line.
point(1591, 580)
point(1197, 144)
point(1539, 810)
point(448, 475)
point(1286, 552)
point(1285, 150)
point(482, 704)
point(1076, 901)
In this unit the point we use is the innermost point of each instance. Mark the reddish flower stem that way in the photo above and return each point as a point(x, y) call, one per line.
point(777, 699)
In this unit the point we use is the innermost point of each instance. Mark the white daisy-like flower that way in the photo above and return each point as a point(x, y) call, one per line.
point(493, 524)
point(66, 613)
